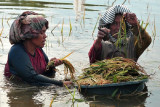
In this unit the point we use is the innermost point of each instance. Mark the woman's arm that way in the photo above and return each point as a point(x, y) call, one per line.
point(142, 40)
point(95, 50)
point(95, 53)
point(19, 63)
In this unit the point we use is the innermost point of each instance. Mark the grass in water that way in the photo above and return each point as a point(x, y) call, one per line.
point(154, 31)
point(70, 25)
point(95, 26)
point(62, 31)
point(54, 28)
point(73, 96)
point(1, 32)
point(52, 100)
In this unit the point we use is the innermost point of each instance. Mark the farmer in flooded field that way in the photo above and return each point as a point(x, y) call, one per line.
point(26, 59)
point(119, 35)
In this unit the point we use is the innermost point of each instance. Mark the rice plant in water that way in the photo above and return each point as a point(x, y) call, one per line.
point(62, 31)
point(70, 25)
point(52, 100)
point(154, 31)
point(95, 26)
point(73, 96)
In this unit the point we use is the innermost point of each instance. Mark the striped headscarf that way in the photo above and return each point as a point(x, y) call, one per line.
point(26, 26)
point(109, 16)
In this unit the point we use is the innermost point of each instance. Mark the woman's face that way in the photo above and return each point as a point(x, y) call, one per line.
point(40, 40)
point(115, 26)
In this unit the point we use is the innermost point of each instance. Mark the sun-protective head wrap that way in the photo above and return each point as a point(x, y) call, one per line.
point(27, 26)
point(109, 16)
point(126, 44)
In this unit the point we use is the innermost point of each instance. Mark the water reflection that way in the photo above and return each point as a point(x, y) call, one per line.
point(16, 98)
point(135, 100)
point(125, 102)
point(24, 95)
point(40, 4)
point(21, 3)
point(79, 7)
point(21, 95)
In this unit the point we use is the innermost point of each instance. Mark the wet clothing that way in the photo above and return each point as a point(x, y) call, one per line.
point(27, 67)
point(106, 50)
point(132, 48)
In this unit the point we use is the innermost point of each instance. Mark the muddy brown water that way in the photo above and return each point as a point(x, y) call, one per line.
point(83, 15)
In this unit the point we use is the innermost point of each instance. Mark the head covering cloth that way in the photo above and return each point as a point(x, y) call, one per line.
point(27, 26)
point(126, 48)
point(109, 16)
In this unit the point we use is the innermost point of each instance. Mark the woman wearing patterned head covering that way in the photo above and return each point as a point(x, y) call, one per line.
point(119, 35)
point(26, 59)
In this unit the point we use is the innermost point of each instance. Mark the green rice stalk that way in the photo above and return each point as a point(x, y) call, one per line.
point(115, 79)
point(58, 41)
point(0, 36)
point(154, 31)
point(119, 39)
point(84, 17)
point(2, 22)
point(113, 70)
point(8, 21)
point(1, 32)
point(125, 35)
point(73, 99)
point(139, 34)
point(147, 6)
point(70, 27)
point(62, 30)
point(114, 93)
point(113, 2)
point(124, 2)
point(52, 100)
point(95, 26)
point(73, 96)
point(54, 28)
point(69, 90)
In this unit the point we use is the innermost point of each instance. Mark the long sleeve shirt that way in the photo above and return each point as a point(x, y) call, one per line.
point(27, 67)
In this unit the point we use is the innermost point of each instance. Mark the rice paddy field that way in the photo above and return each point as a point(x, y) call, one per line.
point(73, 28)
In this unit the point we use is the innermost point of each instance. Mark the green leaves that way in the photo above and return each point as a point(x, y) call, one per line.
point(113, 70)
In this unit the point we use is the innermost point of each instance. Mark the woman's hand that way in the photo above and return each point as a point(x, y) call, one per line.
point(131, 18)
point(57, 61)
point(102, 33)
point(67, 83)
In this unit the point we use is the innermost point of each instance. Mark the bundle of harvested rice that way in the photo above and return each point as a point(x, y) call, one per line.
point(67, 67)
point(113, 70)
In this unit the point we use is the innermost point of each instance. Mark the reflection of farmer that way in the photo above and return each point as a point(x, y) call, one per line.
point(119, 35)
point(20, 97)
point(26, 59)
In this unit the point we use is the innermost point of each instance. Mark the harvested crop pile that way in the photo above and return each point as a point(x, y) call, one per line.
point(113, 70)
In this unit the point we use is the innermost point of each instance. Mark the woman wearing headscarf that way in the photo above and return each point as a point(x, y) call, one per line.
point(119, 35)
point(26, 59)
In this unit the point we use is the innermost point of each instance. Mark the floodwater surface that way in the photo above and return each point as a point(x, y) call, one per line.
point(79, 17)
